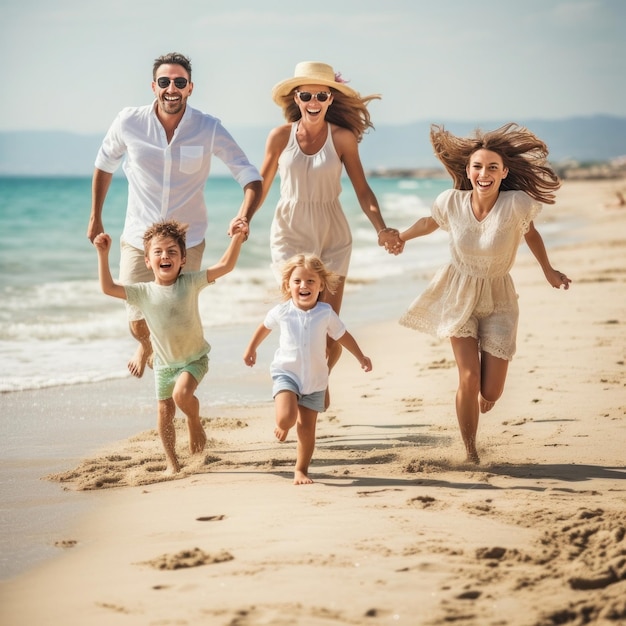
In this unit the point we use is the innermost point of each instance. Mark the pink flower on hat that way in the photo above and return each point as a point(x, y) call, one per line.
point(339, 78)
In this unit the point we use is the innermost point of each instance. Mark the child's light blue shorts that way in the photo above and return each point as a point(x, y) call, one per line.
point(314, 401)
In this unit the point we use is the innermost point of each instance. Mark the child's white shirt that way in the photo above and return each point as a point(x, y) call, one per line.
point(301, 353)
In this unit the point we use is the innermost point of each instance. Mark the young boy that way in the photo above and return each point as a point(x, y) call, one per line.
point(170, 306)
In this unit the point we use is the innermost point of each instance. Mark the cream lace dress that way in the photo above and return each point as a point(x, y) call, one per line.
point(309, 217)
point(474, 295)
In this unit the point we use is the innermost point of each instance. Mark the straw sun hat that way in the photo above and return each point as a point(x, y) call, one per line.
point(311, 73)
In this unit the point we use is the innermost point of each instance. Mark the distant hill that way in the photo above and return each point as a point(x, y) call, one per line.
point(402, 146)
point(582, 139)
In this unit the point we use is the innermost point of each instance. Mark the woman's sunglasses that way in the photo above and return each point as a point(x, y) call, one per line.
point(179, 83)
point(320, 96)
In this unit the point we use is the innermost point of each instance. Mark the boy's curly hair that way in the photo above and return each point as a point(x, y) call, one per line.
point(330, 280)
point(168, 228)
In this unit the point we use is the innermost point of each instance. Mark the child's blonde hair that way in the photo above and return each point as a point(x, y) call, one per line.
point(168, 228)
point(330, 280)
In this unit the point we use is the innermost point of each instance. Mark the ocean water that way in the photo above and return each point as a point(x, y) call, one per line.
point(58, 329)
point(59, 333)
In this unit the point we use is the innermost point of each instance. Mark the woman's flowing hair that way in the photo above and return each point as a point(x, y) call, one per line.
point(522, 152)
point(346, 111)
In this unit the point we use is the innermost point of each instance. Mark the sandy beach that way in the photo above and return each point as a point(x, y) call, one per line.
point(396, 528)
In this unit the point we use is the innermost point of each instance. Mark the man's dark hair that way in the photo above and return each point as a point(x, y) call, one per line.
point(172, 58)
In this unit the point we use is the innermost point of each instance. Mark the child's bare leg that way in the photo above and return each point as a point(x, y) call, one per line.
point(468, 364)
point(167, 432)
point(492, 379)
point(189, 404)
point(307, 420)
point(286, 405)
point(139, 330)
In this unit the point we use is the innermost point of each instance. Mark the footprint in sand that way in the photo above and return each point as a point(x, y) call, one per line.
point(441, 364)
point(225, 423)
point(424, 501)
point(188, 558)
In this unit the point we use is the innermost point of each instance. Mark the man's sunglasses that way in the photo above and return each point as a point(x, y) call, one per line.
point(320, 96)
point(179, 83)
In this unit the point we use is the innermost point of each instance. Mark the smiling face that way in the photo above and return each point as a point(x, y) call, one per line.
point(305, 287)
point(313, 109)
point(486, 171)
point(171, 100)
point(165, 260)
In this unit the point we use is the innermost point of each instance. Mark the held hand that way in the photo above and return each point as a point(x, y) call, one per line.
point(398, 245)
point(239, 225)
point(366, 364)
point(558, 279)
point(102, 242)
point(241, 235)
point(390, 238)
point(94, 228)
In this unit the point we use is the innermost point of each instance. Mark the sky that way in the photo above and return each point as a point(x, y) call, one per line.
point(73, 64)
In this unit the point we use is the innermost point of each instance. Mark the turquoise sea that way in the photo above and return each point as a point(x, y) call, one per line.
point(58, 329)
point(59, 334)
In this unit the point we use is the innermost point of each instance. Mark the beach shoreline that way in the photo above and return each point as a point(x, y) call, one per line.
point(397, 529)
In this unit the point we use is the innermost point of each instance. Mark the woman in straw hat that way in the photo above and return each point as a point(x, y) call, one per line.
point(326, 120)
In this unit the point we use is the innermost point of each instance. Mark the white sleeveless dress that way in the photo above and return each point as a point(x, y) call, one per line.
point(309, 217)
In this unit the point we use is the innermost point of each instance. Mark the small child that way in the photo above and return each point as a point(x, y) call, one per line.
point(300, 368)
point(170, 306)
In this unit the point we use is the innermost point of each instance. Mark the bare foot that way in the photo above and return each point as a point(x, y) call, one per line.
point(300, 478)
point(197, 438)
point(281, 434)
point(137, 364)
point(171, 470)
point(485, 405)
point(472, 457)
